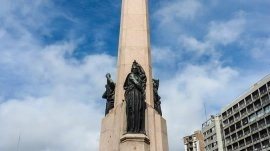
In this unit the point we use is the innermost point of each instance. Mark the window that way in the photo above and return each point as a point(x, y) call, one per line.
point(227, 139)
point(257, 103)
point(257, 146)
point(231, 119)
point(263, 90)
point(261, 123)
point(255, 95)
point(235, 107)
point(243, 112)
point(238, 125)
point(250, 108)
point(248, 140)
point(246, 131)
point(260, 113)
point(224, 115)
point(240, 133)
point(232, 128)
point(225, 122)
point(265, 144)
point(245, 121)
point(268, 120)
point(237, 116)
point(227, 131)
point(267, 109)
point(253, 127)
point(263, 133)
point(241, 143)
point(234, 137)
point(265, 99)
point(252, 117)
point(248, 99)
point(229, 111)
point(242, 103)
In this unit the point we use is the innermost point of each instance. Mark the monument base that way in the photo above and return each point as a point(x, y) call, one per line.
point(134, 142)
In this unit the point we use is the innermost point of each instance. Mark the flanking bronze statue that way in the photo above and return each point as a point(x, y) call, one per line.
point(156, 96)
point(134, 87)
point(109, 93)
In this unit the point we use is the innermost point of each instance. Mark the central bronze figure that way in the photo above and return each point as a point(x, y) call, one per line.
point(134, 87)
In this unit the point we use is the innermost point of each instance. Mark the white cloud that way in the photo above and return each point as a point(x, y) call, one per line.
point(48, 98)
point(180, 9)
point(185, 94)
point(47, 124)
point(55, 106)
point(164, 55)
point(194, 45)
point(226, 32)
point(219, 33)
point(260, 48)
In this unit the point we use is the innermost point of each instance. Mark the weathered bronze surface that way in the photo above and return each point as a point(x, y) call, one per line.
point(109, 93)
point(134, 87)
point(156, 96)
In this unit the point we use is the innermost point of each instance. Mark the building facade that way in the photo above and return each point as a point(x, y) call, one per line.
point(246, 122)
point(212, 132)
point(194, 142)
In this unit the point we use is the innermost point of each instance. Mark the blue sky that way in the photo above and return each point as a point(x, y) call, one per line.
point(54, 56)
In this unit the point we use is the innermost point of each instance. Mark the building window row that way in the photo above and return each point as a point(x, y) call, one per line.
point(242, 146)
point(209, 132)
point(248, 100)
point(211, 138)
point(259, 125)
point(255, 109)
point(245, 121)
point(211, 146)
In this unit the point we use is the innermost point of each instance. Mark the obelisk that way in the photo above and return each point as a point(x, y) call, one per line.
point(134, 44)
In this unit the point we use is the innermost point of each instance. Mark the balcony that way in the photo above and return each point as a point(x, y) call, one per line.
point(265, 146)
point(248, 142)
point(234, 138)
point(249, 101)
point(235, 148)
point(263, 92)
point(258, 106)
point(264, 135)
point(250, 149)
point(228, 141)
point(240, 135)
point(250, 110)
point(254, 128)
point(247, 132)
point(256, 139)
point(257, 149)
point(241, 145)
point(255, 97)
point(265, 101)
point(261, 125)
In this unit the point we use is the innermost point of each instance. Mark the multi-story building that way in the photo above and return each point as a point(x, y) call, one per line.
point(246, 122)
point(212, 132)
point(194, 142)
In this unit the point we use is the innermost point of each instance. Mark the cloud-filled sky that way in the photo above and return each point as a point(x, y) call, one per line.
point(54, 56)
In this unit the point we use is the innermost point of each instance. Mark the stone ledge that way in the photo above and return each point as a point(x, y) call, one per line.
point(135, 138)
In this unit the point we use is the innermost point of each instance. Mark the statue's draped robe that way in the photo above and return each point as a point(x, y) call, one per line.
point(109, 95)
point(135, 103)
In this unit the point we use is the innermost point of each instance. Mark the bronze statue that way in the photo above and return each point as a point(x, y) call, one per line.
point(109, 93)
point(156, 96)
point(134, 87)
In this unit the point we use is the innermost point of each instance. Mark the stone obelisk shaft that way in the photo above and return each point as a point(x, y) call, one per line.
point(134, 44)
